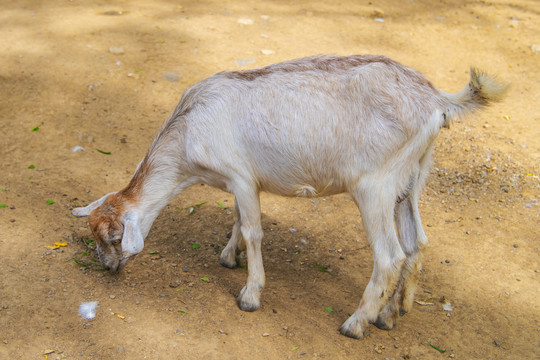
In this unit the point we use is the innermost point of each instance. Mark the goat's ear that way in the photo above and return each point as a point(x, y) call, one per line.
point(85, 211)
point(132, 240)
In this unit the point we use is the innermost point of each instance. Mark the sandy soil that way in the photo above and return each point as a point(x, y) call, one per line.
point(61, 86)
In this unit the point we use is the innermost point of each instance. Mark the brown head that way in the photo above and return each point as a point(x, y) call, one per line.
point(115, 228)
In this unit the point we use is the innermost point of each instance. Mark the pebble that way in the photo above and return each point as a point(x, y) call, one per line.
point(172, 76)
point(536, 48)
point(244, 62)
point(245, 21)
point(293, 296)
point(266, 334)
point(379, 13)
point(112, 296)
point(116, 50)
point(267, 52)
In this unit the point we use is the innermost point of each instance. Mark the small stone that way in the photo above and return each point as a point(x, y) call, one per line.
point(303, 353)
point(536, 48)
point(514, 23)
point(244, 62)
point(266, 334)
point(185, 269)
point(293, 296)
point(496, 343)
point(112, 296)
point(245, 21)
point(116, 50)
point(515, 246)
point(172, 77)
point(267, 52)
point(378, 13)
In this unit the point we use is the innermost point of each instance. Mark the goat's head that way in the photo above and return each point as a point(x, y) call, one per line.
point(115, 228)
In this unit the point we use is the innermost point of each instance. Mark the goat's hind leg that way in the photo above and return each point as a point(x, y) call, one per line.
point(376, 203)
point(412, 239)
point(236, 244)
point(401, 301)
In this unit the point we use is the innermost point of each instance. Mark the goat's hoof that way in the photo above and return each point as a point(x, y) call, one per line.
point(227, 264)
point(248, 303)
point(350, 328)
point(383, 324)
point(248, 307)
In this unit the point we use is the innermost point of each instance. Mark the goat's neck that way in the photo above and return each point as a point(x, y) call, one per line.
point(154, 184)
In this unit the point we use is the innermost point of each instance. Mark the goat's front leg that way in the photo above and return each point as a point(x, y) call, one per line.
point(236, 244)
point(249, 212)
point(377, 213)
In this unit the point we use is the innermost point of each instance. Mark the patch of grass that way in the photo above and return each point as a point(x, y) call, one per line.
point(322, 268)
point(104, 152)
point(221, 205)
point(88, 242)
point(35, 129)
point(31, 166)
point(3, 206)
point(81, 263)
point(329, 309)
point(436, 348)
point(205, 279)
point(196, 246)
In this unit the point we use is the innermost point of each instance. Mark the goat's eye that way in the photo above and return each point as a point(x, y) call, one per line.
point(116, 241)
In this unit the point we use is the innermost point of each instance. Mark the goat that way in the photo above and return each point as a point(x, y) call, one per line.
point(315, 126)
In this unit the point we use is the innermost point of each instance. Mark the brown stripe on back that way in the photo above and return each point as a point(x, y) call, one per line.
point(313, 63)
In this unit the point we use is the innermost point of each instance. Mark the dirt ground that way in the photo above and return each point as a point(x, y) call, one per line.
point(104, 76)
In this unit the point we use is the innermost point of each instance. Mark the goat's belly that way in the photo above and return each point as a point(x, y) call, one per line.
point(304, 189)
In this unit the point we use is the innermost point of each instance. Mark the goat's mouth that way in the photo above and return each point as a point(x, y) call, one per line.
point(112, 263)
point(116, 265)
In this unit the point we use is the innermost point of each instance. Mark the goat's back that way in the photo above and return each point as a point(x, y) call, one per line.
point(316, 121)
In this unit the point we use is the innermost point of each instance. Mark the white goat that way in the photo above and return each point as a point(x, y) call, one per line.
point(315, 126)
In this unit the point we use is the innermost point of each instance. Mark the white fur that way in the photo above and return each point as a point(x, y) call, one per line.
point(309, 127)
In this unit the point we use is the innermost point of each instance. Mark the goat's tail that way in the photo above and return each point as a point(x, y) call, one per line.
point(481, 91)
